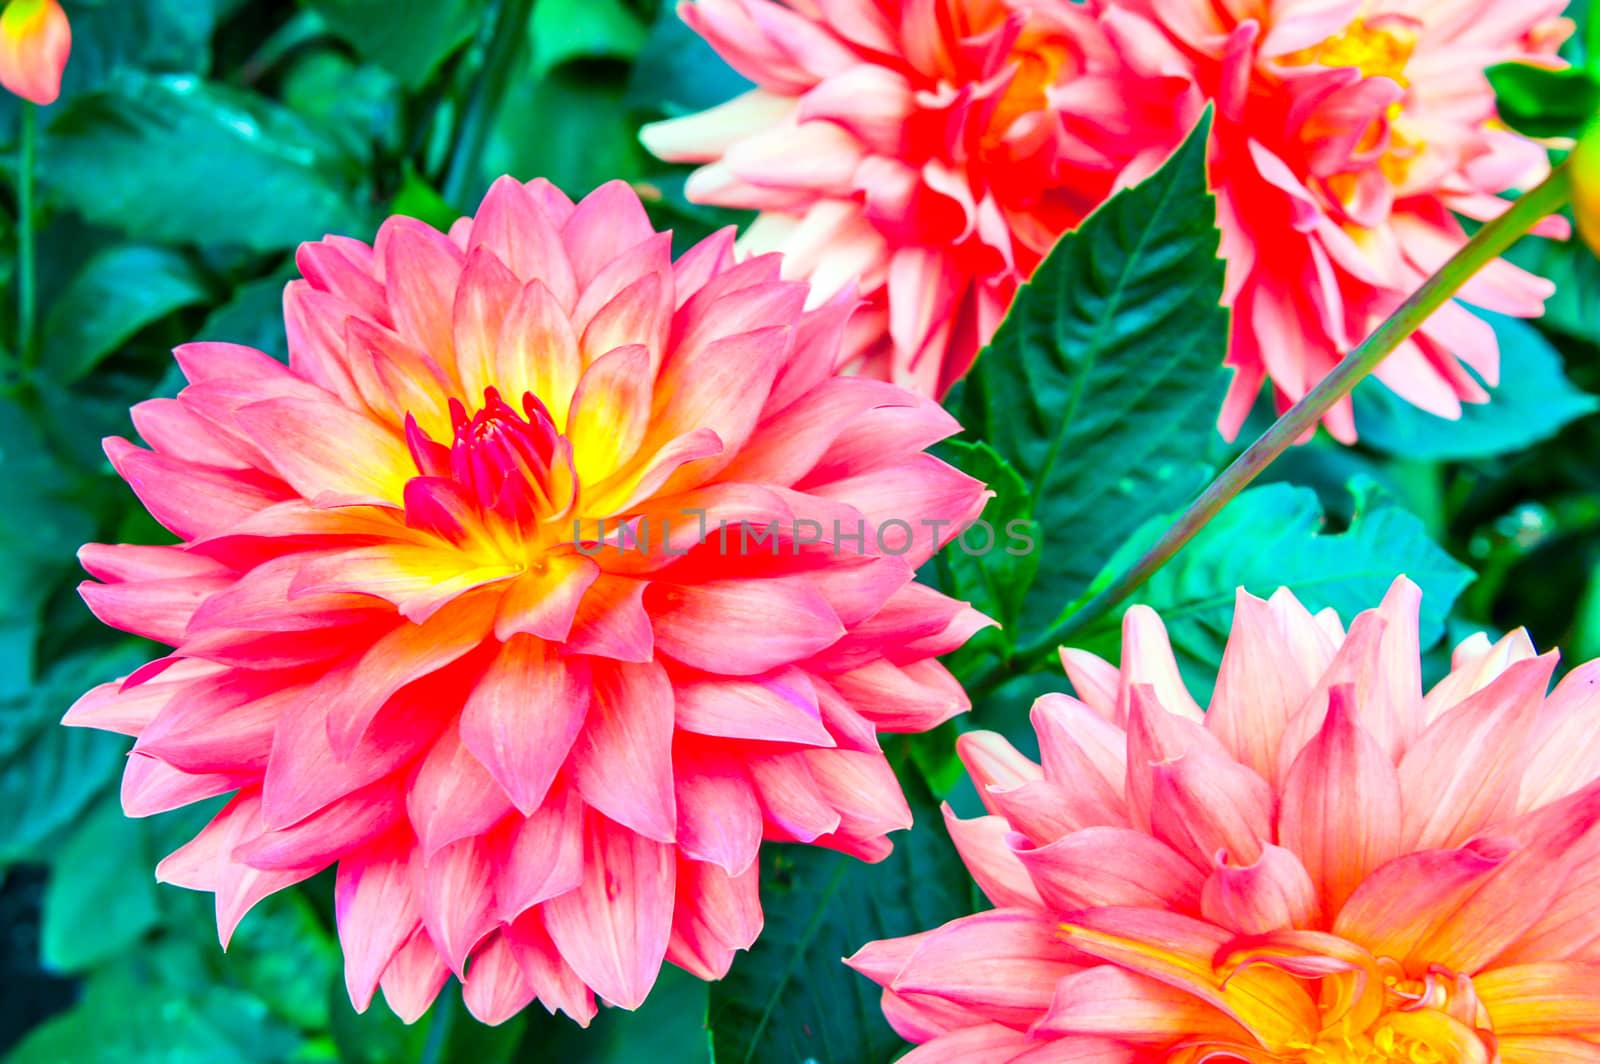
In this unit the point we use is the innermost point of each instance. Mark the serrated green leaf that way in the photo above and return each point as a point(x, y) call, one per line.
point(120, 291)
point(101, 897)
point(176, 159)
point(789, 999)
point(1542, 102)
point(409, 38)
point(564, 30)
point(1533, 401)
point(1271, 537)
point(1102, 386)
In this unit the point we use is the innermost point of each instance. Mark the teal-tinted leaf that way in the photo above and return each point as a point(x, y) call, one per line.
point(126, 1018)
point(584, 29)
point(789, 999)
point(1542, 102)
point(50, 773)
point(356, 104)
point(102, 892)
point(180, 160)
point(254, 317)
point(678, 73)
point(409, 38)
point(1102, 385)
point(1533, 401)
point(1272, 537)
point(119, 292)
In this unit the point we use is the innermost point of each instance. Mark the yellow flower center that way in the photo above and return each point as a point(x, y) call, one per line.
point(1380, 48)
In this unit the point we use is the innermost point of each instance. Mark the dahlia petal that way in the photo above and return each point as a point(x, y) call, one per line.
point(639, 314)
point(994, 764)
point(537, 351)
point(781, 708)
point(320, 839)
point(1156, 735)
point(151, 786)
point(1337, 808)
point(863, 788)
point(483, 300)
point(327, 452)
point(622, 758)
point(607, 222)
point(1469, 762)
point(1269, 894)
point(792, 803)
point(987, 1041)
point(719, 815)
point(513, 224)
point(1147, 659)
point(452, 796)
point(523, 715)
point(615, 927)
point(376, 910)
point(540, 856)
point(1078, 747)
point(1392, 909)
point(611, 622)
point(495, 988)
point(721, 386)
point(1010, 978)
point(718, 914)
point(186, 499)
point(610, 412)
point(1541, 999)
point(759, 624)
point(1101, 866)
point(704, 136)
point(414, 977)
point(1202, 805)
point(999, 873)
point(557, 985)
point(129, 710)
point(457, 895)
point(421, 269)
point(1115, 1003)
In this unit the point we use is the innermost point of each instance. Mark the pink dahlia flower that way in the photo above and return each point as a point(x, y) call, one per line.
point(445, 613)
point(933, 148)
point(1349, 134)
point(1327, 867)
point(35, 40)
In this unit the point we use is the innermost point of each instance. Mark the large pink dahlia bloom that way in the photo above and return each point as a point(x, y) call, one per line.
point(1349, 135)
point(1327, 867)
point(541, 760)
point(933, 148)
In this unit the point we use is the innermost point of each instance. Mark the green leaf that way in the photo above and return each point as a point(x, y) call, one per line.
point(101, 897)
point(584, 29)
point(1533, 401)
point(1541, 102)
point(669, 1028)
point(990, 565)
point(180, 160)
point(584, 135)
point(120, 291)
point(678, 73)
point(1102, 385)
point(789, 999)
point(1271, 537)
point(409, 38)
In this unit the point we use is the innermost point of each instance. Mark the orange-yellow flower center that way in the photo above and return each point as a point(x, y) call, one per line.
point(1039, 58)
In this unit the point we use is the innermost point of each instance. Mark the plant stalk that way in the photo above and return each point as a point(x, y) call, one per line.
point(505, 49)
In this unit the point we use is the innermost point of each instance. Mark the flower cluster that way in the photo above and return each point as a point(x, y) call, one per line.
point(1326, 865)
point(540, 767)
point(937, 149)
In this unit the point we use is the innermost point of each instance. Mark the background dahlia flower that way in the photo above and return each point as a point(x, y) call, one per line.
point(540, 760)
point(1348, 136)
point(35, 40)
point(934, 148)
point(1327, 866)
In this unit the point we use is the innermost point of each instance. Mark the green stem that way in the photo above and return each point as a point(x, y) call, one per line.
point(25, 255)
point(505, 50)
point(1485, 246)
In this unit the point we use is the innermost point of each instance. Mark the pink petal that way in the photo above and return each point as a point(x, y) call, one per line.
point(376, 910)
point(523, 716)
point(622, 759)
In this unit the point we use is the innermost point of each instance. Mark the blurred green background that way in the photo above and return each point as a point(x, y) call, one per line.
point(196, 142)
